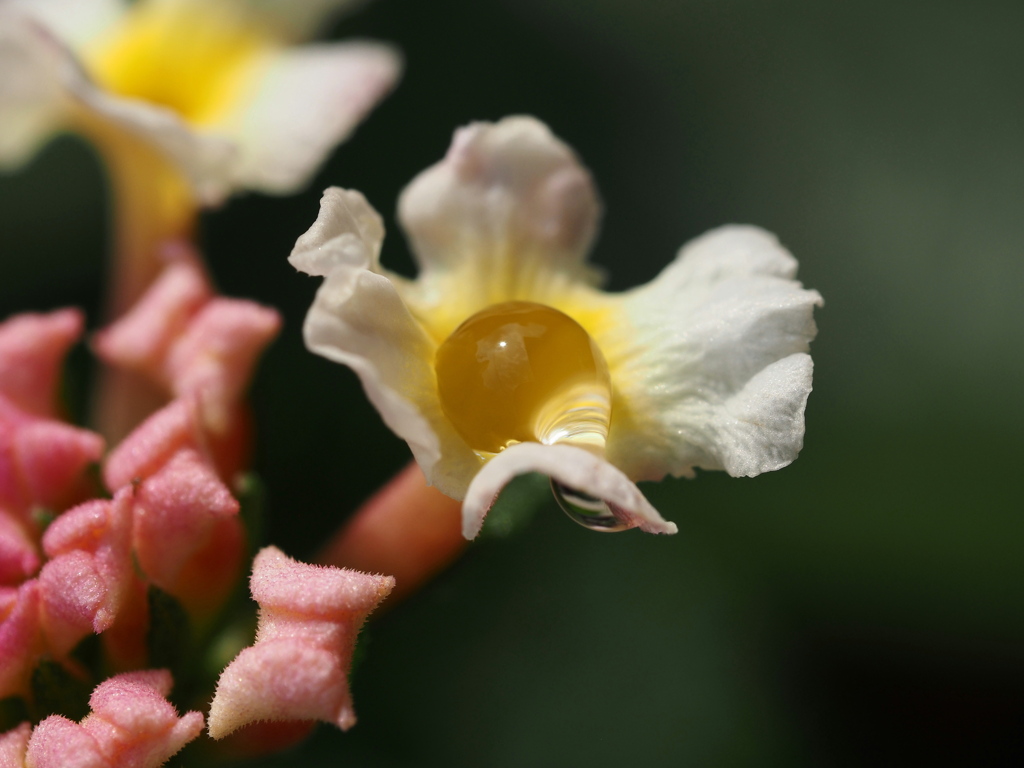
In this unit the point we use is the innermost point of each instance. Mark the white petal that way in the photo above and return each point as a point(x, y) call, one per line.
point(508, 214)
point(359, 320)
point(308, 101)
point(32, 97)
point(709, 365)
point(42, 83)
point(574, 467)
point(763, 423)
point(347, 231)
point(206, 160)
point(74, 22)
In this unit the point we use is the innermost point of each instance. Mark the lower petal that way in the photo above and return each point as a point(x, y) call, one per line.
point(570, 466)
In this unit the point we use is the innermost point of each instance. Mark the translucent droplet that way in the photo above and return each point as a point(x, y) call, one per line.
point(586, 510)
point(524, 372)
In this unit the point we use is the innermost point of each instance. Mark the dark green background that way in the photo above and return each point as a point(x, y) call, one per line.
point(864, 606)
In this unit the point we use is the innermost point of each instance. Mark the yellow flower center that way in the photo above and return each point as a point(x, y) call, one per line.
point(194, 58)
point(518, 372)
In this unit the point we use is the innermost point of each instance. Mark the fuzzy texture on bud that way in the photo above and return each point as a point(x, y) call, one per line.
point(89, 574)
point(132, 725)
point(153, 443)
point(298, 668)
point(187, 537)
point(13, 745)
point(21, 641)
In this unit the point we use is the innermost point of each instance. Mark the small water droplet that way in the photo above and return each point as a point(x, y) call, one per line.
point(586, 510)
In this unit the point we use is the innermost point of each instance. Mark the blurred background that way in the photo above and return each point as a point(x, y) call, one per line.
point(864, 606)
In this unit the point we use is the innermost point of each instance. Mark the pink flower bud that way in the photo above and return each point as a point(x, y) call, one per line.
point(187, 537)
point(53, 457)
point(214, 358)
point(13, 745)
point(189, 343)
point(152, 444)
point(42, 462)
point(32, 349)
point(20, 637)
point(132, 725)
point(141, 338)
point(298, 668)
point(55, 739)
point(408, 529)
point(87, 579)
point(19, 557)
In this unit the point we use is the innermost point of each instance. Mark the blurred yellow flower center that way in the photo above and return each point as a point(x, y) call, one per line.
point(518, 372)
point(192, 57)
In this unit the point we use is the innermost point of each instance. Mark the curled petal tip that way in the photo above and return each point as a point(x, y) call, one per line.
point(570, 466)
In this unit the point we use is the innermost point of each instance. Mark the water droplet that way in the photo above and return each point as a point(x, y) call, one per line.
point(523, 372)
point(586, 510)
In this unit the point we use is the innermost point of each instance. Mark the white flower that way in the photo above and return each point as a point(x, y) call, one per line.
point(705, 366)
point(215, 85)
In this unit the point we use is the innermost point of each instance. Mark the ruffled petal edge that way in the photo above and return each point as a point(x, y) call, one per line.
point(359, 319)
point(709, 364)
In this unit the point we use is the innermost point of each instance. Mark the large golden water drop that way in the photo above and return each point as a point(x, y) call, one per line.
point(520, 371)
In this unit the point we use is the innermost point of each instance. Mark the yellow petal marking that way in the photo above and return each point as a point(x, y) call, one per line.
point(196, 58)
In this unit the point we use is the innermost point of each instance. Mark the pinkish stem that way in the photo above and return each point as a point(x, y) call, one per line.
point(152, 204)
point(408, 530)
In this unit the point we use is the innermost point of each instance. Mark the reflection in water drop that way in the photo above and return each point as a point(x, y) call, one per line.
point(586, 510)
point(521, 372)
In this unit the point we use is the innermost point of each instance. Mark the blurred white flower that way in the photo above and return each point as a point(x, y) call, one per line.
point(217, 86)
point(503, 357)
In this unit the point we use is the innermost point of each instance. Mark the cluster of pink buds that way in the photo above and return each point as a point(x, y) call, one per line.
point(77, 563)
